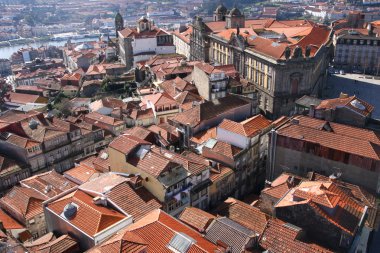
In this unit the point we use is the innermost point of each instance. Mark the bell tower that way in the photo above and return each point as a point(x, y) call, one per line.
point(119, 23)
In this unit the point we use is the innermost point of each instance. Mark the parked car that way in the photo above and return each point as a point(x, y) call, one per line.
point(342, 72)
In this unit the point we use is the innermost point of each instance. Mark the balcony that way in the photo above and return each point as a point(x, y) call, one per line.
point(184, 189)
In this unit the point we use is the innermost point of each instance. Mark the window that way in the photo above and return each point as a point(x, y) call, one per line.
point(171, 206)
point(194, 197)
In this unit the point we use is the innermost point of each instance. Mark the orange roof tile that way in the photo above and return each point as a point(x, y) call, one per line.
point(8, 222)
point(244, 214)
point(90, 218)
point(279, 238)
point(158, 222)
point(248, 128)
point(196, 218)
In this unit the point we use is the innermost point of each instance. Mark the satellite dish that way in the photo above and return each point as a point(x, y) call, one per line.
point(70, 211)
point(33, 124)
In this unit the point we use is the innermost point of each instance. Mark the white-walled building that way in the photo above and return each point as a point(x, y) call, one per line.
point(181, 41)
point(142, 42)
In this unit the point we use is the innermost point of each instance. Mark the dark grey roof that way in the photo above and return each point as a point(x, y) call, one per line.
point(231, 233)
point(306, 101)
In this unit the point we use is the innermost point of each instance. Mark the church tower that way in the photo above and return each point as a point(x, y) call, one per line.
point(119, 23)
point(235, 19)
point(220, 13)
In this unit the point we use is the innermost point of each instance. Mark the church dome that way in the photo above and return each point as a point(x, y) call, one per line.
point(235, 12)
point(221, 9)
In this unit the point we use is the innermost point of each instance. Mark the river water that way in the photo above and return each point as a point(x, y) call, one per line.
point(6, 52)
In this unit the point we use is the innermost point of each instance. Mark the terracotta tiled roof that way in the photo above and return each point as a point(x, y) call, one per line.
point(223, 171)
point(122, 241)
point(80, 174)
point(341, 137)
point(277, 191)
point(21, 98)
point(196, 218)
point(32, 246)
point(186, 97)
point(136, 202)
point(158, 222)
point(185, 35)
point(204, 136)
point(225, 149)
point(134, 33)
point(49, 183)
point(320, 195)
point(8, 222)
point(153, 163)
point(209, 110)
point(349, 103)
point(168, 132)
point(62, 244)
point(158, 99)
point(193, 164)
point(244, 214)
point(101, 162)
point(24, 202)
point(278, 237)
point(248, 127)
point(97, 117)
point(90, 218)
point(140, 132)
point(9, 166)
point(126, 143)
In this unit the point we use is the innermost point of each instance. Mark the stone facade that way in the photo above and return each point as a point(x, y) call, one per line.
point(280, 80)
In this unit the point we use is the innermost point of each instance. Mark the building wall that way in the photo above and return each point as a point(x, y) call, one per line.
point(221, 189)
point(181, 47)
point(267, 203)
point(279, 83)
point(300, 163)
point(316, 226)
point(357, 52)
point(202, 82)
point(118, 164)
point(232, 138)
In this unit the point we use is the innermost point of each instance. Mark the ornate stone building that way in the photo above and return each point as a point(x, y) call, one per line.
point(284, 59)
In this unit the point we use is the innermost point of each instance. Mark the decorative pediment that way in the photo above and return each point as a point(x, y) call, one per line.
point(237, 41)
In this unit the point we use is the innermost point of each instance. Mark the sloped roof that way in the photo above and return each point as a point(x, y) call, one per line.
point(25, 202)
point(248, 128)
point(49, 183)
point(321, 195)
point(348, 102)
point(209, 110)
point(229, 232)
point(126, 143)
point(62, 244)
point(158, 222)
point(279, 238)
point(244, 214)
point(196, 218)
point(90, 218)
point(336, 136)
point(136, 202)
